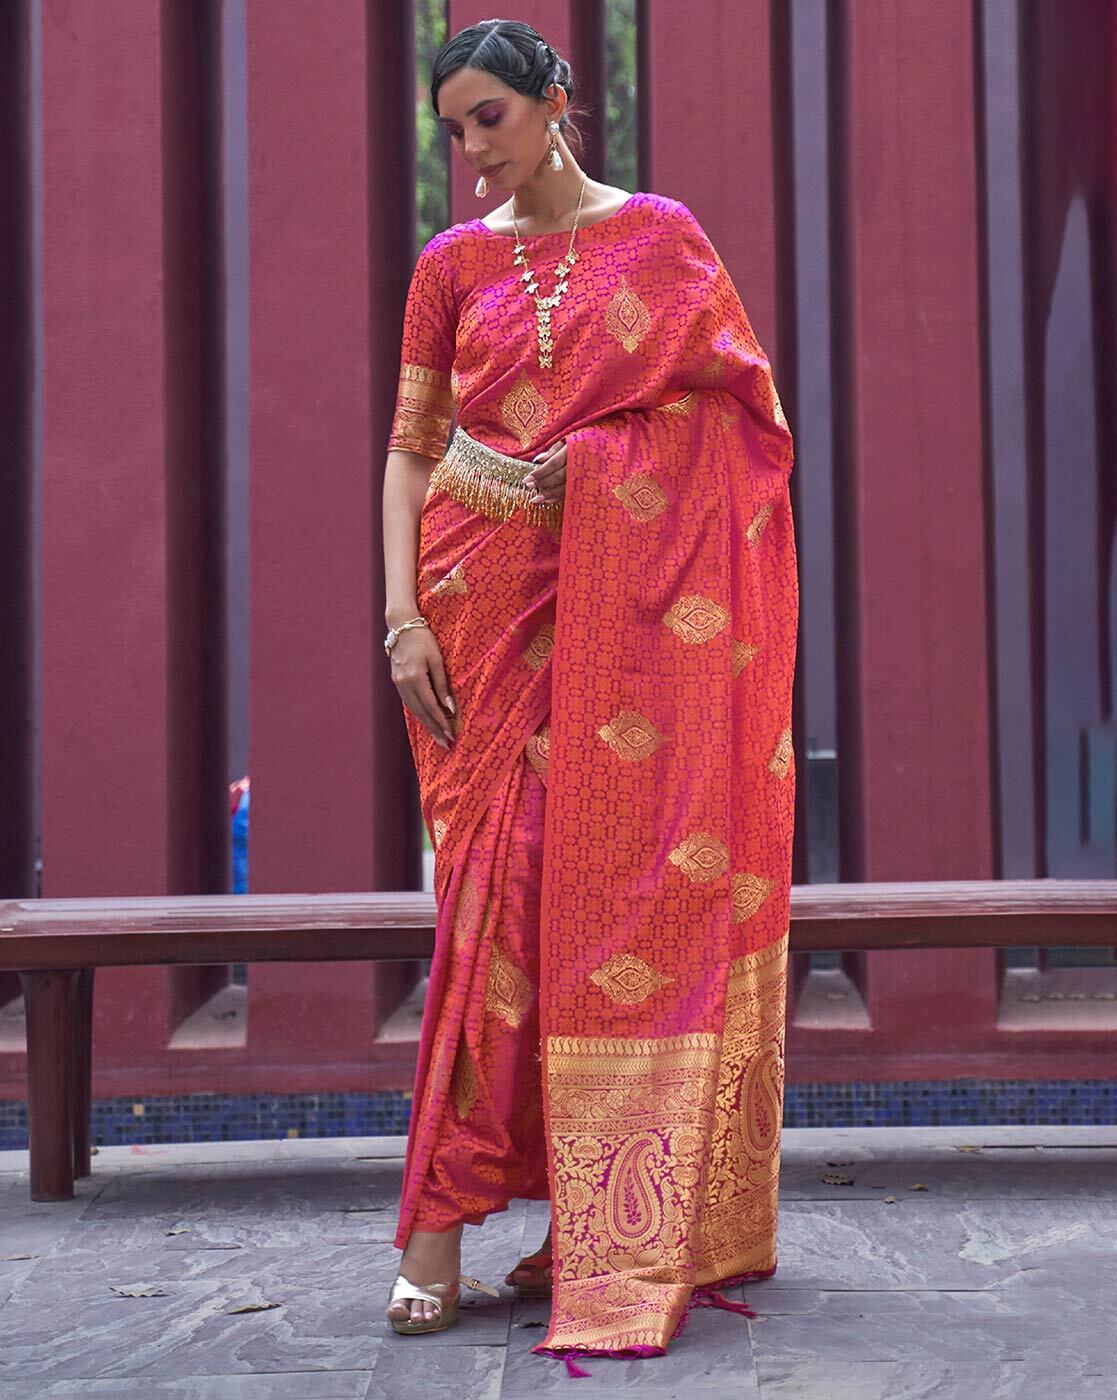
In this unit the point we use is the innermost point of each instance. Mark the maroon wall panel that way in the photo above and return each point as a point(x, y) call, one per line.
point(312, 552)
point(915, 751)
point(706, 92)
point(104, 490)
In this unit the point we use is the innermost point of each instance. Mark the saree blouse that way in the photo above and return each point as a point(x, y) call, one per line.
point(470, 348)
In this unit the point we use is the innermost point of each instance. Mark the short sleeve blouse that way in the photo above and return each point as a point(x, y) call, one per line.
point(424, 399)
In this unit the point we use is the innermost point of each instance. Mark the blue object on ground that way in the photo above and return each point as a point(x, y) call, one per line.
point(240, 845)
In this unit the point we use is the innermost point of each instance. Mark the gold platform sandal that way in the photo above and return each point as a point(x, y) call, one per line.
point(445, 1296)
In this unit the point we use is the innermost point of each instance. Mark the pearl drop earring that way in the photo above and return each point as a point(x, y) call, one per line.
point(481, 188)
point(555, 158)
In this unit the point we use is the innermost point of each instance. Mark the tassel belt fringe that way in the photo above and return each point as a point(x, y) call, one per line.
point(489, 482)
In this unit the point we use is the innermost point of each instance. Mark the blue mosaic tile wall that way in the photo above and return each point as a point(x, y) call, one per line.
point(217, 1118)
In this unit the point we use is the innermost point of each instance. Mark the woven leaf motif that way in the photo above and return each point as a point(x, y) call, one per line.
point(780, 762)
point(627, 317)
point(453, 582)
point(758, 522)
point(696, 619)
point(641, 495)
point(508, 993)
point(539, 648)
point(538, 749)
point(463, 1081)
point(742, 653)
point(631, 736)
point(524, 410)
point(700, 857)
point(629, 979)
point(749, 893)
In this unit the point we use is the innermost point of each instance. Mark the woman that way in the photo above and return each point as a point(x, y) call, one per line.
point(598, 582)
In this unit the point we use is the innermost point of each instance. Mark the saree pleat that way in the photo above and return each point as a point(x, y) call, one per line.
point(486, 1140)
point(488, 587)
point(604, 1020)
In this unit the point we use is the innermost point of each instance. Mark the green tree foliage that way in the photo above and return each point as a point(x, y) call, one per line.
point(432, 149)
point(620, 94)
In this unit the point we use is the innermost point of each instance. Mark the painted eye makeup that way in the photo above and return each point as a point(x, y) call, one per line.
point(495, 122)
point(492, 121)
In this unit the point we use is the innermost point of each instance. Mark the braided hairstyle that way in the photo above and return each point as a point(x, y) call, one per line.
point(519, 56)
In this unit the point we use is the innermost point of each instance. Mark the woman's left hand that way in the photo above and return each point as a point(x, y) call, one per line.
point(548, 476)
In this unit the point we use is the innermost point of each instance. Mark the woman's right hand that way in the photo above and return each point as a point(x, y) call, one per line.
point(419, 675)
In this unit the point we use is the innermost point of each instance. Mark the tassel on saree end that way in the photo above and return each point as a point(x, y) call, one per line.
point(566, 1354)
point(709, 1297)
point(719, 1300)
point(572, 1367)
point(621, 1353)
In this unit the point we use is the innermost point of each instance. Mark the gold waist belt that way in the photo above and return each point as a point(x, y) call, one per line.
point(489, 482)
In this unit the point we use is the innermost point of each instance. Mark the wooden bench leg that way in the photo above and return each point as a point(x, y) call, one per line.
point(49, 1001)
point(83, 1069)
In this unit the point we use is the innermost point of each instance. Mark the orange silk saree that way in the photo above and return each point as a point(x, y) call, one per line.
point(605, 1018)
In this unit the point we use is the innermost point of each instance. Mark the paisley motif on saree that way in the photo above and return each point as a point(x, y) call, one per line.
point(638, 655)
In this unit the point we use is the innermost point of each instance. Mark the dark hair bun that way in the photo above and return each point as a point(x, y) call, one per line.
point(515, 53)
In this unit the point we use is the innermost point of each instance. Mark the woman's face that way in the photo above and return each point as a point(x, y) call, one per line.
point(490, 124)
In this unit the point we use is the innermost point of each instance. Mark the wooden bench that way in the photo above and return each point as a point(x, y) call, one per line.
point(56, 945)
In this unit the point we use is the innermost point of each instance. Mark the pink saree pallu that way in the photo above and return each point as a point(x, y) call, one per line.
point(608, 1012)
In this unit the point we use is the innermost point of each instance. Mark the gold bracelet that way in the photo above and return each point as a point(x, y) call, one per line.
point(393, 632)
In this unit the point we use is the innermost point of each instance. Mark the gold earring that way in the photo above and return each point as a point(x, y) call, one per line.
point(481, 188)
point(555, 157)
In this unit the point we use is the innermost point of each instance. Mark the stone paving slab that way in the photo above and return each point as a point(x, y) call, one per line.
point(996, 1279)
point(296, 1385)
point(458, 1373)
point(938, 1243)
point(65, 1320)
point(924, 1380)
point(918, 1326)
point(981, 1170)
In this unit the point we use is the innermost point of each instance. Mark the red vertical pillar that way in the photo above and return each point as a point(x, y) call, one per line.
point(312, 554)
point(104, 499)
point(915, 748)
point(707, 79)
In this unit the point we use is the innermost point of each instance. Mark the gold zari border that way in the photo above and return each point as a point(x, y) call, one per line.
point(424, 409)
point(666, 1161)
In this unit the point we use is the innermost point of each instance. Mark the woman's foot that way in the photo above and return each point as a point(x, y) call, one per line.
point(533, 1273)
point(431, 1256)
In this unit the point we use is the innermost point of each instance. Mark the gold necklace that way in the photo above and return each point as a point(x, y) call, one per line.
point(545, 305)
